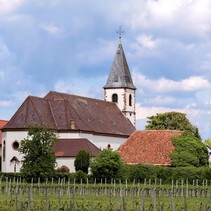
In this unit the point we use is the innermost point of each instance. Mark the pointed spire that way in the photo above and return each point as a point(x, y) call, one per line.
point(119, 76)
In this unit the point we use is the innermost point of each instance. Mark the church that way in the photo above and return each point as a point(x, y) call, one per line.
point(80, 123)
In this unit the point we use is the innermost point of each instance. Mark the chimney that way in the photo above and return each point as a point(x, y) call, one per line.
point(72, 124)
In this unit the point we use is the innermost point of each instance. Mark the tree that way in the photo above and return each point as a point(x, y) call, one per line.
point(189, 151)
point(82, 161)
point(38, 157)
point(207, 142)
point(171, 121)
point(107, 164)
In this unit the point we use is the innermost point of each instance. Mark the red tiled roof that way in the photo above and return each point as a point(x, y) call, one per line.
point(57, 110)
point(71, 147)
point(2, 124)
point(151, 147)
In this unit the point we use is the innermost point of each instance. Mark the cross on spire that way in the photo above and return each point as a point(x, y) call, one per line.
point(120, 32)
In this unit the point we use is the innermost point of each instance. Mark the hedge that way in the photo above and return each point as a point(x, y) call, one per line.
point(167, 174)
point(137, 173)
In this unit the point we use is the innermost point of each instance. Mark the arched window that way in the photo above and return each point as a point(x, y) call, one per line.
point(130, 100)
point(115, 98)
point(4, 150)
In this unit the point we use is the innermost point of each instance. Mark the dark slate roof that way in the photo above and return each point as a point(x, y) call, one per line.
point(152, 147)
point(71, 147)
point(2, 124)
point(57, 111)
point(119, 76)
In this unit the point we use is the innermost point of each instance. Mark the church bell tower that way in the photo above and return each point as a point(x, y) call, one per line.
point(119, 87)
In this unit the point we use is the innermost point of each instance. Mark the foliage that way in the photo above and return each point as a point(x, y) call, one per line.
point(82, 161)
point(189, 151)
point(63, 169)
point(38, 156)
point(107, 164)
point(171, 121)
point(80, 176)
point(141, 172)
point(137, 173)
point(207, 142)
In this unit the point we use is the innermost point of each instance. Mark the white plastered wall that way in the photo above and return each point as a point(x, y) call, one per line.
point(123, 101)
point(66, 161)
point(9, 137)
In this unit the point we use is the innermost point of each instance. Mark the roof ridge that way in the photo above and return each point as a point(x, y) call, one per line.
point(79, 96)
point(52, 114)
point(88, 142)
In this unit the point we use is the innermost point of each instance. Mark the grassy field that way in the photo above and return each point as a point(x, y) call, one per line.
point(113, 196)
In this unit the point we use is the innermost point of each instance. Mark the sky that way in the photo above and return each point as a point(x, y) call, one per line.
point(69, 46)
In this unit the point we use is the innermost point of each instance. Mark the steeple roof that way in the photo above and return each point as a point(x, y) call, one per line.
point(119, 76)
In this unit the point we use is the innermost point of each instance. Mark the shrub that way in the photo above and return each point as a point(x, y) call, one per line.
point(82, 161)
point(107, 164)
point(141, 172)
point(63, 169)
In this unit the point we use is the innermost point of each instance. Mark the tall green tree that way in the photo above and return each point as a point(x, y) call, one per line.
point(171, 121)
point(189, 151)
point(107, 164)
point(82, 161)
point(38, 157)
point(207, 142)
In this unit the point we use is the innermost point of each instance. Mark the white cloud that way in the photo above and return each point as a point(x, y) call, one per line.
point(144, 112)
point(7, 6)
point(146, 41)
point(106, 49)
point(5, 54)
point(161, 100)
point(2, 75)
point(206, 63)
point(204, 96)
point(71, 87)
point(5, 103)
point(52, 29)
point(177, 17)
point(163, 85)
point(63, 86)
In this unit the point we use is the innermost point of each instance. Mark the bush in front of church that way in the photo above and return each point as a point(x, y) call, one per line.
point(82, 161)
point(63, 169)
point(107, 165)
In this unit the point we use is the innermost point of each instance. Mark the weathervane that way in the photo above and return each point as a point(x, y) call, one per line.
point(120, 32)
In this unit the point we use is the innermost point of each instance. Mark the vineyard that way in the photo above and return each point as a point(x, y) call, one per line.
point(114, 195)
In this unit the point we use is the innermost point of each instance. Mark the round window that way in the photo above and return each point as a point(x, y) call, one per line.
point(15, 145)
